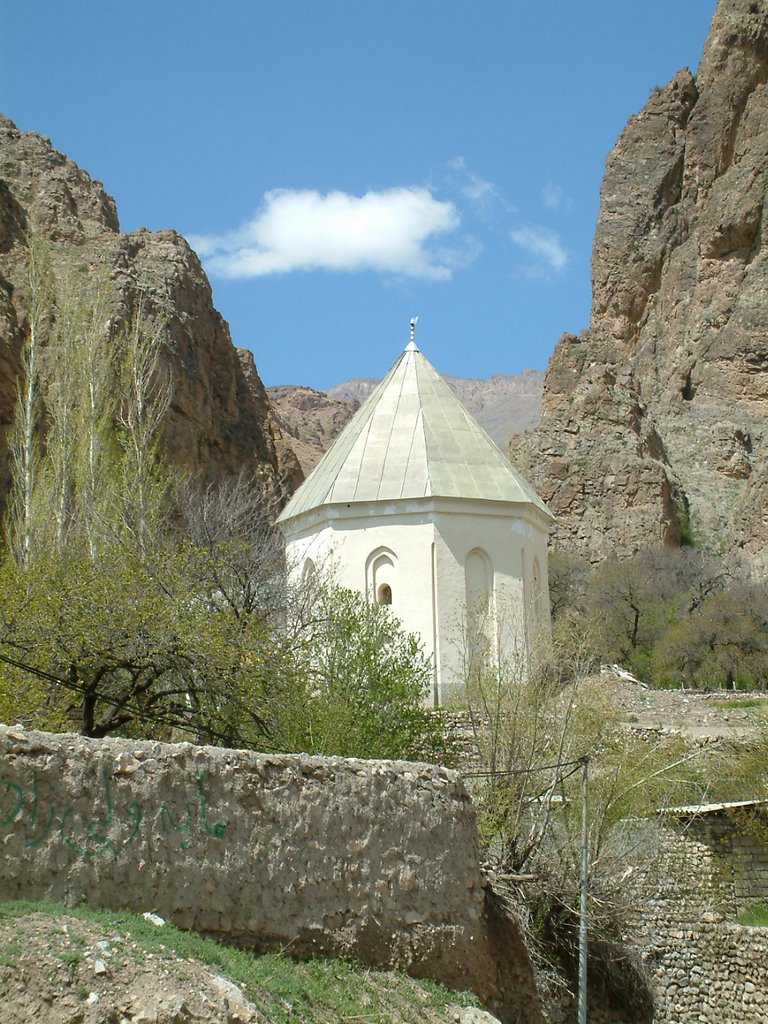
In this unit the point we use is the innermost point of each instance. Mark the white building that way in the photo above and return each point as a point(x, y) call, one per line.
point(416, 506)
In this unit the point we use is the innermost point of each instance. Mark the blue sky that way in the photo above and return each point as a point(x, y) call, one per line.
point(342, 165)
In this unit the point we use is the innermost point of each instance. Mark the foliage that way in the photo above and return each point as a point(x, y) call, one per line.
point(682, 617)
point(755, 915)
point(361, 683)
point(136, 603)
point(129, 644)
point(534, 725)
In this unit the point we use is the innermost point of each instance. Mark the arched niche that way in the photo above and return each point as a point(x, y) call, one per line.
point(478, 582)
point(481, 628)
point(381, 576)
point(308, 570)
point(537, 594)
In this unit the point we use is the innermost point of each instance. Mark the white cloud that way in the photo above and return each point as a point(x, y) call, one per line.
point(387, 231)
point(471, 185)
point(544, 245)
point(552, 196)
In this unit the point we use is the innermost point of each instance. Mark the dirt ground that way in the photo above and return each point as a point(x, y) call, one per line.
point(67, 971)
point(698, 715)
point(61, 970)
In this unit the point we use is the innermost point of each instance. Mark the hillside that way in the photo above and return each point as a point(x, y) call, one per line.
point(656, 416)
point(218, 422)
point(61, 966)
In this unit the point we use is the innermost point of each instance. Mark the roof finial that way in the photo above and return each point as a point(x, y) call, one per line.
point(411, 346)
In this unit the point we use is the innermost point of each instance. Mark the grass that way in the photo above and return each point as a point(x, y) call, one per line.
point(286, 991)
point(755, 915)
point(746, 702)
point(9, 953)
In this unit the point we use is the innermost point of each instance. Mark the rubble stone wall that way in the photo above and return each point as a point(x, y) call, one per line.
point(371, 859)
point(706, 967)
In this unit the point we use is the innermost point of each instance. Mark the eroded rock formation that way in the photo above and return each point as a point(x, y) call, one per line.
point(218, 422)
point(659, 411)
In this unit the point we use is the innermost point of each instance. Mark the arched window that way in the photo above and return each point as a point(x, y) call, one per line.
point(381, 575)
point(308, 570)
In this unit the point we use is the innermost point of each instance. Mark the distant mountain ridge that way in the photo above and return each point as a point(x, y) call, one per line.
point(504, 405)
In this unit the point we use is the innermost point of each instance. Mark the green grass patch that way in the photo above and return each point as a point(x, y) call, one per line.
point(284, 990)
point(9, 953)
point(755, 915)
point(741, 703)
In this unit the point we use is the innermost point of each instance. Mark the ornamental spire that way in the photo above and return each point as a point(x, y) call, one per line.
point(411, 346)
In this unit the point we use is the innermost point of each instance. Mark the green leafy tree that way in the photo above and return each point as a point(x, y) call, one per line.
point(361, 683)
point(127, 645)
point(24, 512)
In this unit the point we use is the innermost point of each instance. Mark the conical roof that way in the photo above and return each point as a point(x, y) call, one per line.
point(412, 438)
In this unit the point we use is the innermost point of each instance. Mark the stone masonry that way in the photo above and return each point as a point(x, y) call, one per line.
point(371, 859)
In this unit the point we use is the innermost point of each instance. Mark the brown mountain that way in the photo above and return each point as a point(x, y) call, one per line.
point(311, 420)
point(218, 422)
point(659, 411)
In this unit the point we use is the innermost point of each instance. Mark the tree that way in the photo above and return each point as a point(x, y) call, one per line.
point(128, 645)
point(722, 642)
point(145, 388)
point(533, 725)
point(362, 683)
point(25, 442)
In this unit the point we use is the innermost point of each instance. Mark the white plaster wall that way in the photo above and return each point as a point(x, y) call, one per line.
point(428, 541)
point(510, 543)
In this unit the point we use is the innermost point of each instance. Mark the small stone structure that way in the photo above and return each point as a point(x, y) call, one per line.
point(372, 859)
point(712, 861)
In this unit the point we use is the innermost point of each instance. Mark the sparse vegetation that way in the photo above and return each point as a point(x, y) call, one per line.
point(755, 915)
point(285, 991)
point(681, 617)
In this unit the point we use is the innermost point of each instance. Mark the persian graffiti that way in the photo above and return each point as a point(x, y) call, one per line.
point(101, 826)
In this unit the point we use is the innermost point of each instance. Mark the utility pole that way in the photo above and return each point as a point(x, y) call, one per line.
point(582, 1018)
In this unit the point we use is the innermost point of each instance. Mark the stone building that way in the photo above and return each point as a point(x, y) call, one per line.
point(416, 506)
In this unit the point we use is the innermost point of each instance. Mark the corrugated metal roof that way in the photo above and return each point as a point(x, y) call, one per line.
point(412, 438)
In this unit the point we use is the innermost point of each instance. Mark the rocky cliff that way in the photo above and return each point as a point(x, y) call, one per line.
point(310, 420)
point(218, 422)
point(657, 414)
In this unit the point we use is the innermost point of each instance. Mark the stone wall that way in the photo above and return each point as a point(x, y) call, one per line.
point(371, 859)
point(704, 966)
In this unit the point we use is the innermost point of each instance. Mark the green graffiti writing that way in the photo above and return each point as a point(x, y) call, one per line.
point(212, 830)
point(32, 843)
point(41, 816)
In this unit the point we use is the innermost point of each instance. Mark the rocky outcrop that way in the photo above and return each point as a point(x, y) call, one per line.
point(218, 421)
point(658, 412)
point(311, 419)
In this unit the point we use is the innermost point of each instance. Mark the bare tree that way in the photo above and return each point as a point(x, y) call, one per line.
point(25, 443)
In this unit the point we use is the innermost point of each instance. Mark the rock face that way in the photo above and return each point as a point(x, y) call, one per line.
point(659, 411)
point(218, 421)
point(311, 420)
point(503, 404)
